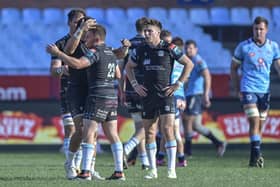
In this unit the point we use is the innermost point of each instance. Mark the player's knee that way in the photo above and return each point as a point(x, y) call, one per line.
point(263, 115)
point(252, 112)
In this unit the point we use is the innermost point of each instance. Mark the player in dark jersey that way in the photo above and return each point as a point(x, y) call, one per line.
point(158, 57)
point(102, 100)
point(59, 69)
point(134, 104)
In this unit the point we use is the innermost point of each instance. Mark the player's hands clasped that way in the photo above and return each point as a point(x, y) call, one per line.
point(88, 24)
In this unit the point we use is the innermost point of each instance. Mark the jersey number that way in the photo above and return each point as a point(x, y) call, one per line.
point(111, 72)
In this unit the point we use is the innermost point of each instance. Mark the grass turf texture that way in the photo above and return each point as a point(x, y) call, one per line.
point(46, 169)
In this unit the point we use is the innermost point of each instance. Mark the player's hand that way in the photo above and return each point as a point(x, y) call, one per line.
point(65, 70)
point(88, 24)
point(52, 49)
point(140, 90)
point(206, 101)
point(126, 43)
point(169, 90)
point(181, 104)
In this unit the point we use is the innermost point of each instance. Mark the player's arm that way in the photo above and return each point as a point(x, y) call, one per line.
point(207, 86)
point(129, 68)
point(75, 63)
point(57, 69)
point(235, 64)
point(122, 51)
point(188, 66)
point(74, 40)
point(277, 66)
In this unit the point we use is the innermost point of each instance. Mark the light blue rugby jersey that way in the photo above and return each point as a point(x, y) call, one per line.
point(177, 70)
point(196, 80)
point(255, 64)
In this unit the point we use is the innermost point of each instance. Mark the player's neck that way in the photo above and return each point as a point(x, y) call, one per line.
point(154, 43)
point(259, 41)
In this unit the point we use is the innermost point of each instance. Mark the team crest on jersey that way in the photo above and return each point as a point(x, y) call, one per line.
point(251, 54)
point(160, 53)
point(147, 61)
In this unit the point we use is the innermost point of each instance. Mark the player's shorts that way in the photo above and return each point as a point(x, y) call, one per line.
point(77, 96)
point(101, 109)
point(194, 105)
point(64, 102)
point(260, 99)
point(177, 110)
point(134, 103)
point(153, 106)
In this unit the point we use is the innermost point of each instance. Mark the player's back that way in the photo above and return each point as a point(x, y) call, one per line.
point(101, 74)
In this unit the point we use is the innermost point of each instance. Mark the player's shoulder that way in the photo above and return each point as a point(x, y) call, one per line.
point(199, 60)
point(60, 43)
point(272, 43)
point(246, 42)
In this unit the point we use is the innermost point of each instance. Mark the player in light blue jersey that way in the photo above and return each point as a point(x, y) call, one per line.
point(254, 57)
point(197, 96)
point(180, 103)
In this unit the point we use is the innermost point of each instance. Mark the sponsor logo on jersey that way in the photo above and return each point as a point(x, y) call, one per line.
point(147, 62)
point(160, 53)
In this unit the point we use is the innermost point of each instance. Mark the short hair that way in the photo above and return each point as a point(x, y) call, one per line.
point(75, 12)
point(164, 33)
point(260, 19)
point(100, 31)
point(178, 41)
point(189, 42)
point(140, 23)
point(154, 22)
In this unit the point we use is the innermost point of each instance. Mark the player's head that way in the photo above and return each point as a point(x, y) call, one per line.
point(166, 36)
point(140, 24)
point(152, 31)
point(73, 18)
point(191, 48)
point(95, 36)
point(260, 29)
point(179, 42)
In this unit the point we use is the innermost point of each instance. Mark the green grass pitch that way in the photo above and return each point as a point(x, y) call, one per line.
point(204, 169)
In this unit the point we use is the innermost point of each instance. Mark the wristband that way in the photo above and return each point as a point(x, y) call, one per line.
point(59, 71)
point(77, 33)
point(181, 84)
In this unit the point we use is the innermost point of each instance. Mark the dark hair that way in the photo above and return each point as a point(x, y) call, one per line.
point(75, 12)
point(82, 20)
point(164, 33)
point(100, 31)
point(259, 20)
point(140, 23)
point(178, 41)
point(189, 42)
point(154, 22)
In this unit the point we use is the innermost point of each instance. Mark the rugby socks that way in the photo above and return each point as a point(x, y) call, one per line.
point(66, 144)
point(78, 158)
point(117, 150)
point(144, 159)
point(129, 146)
point(181, 157)
point(151, 149)
point(92, 164)
point(171, 149)
point(188, 144)
point(160, 155)
point(255, 146)
point(88, 150)
point(71, 160)
point(214, 139)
